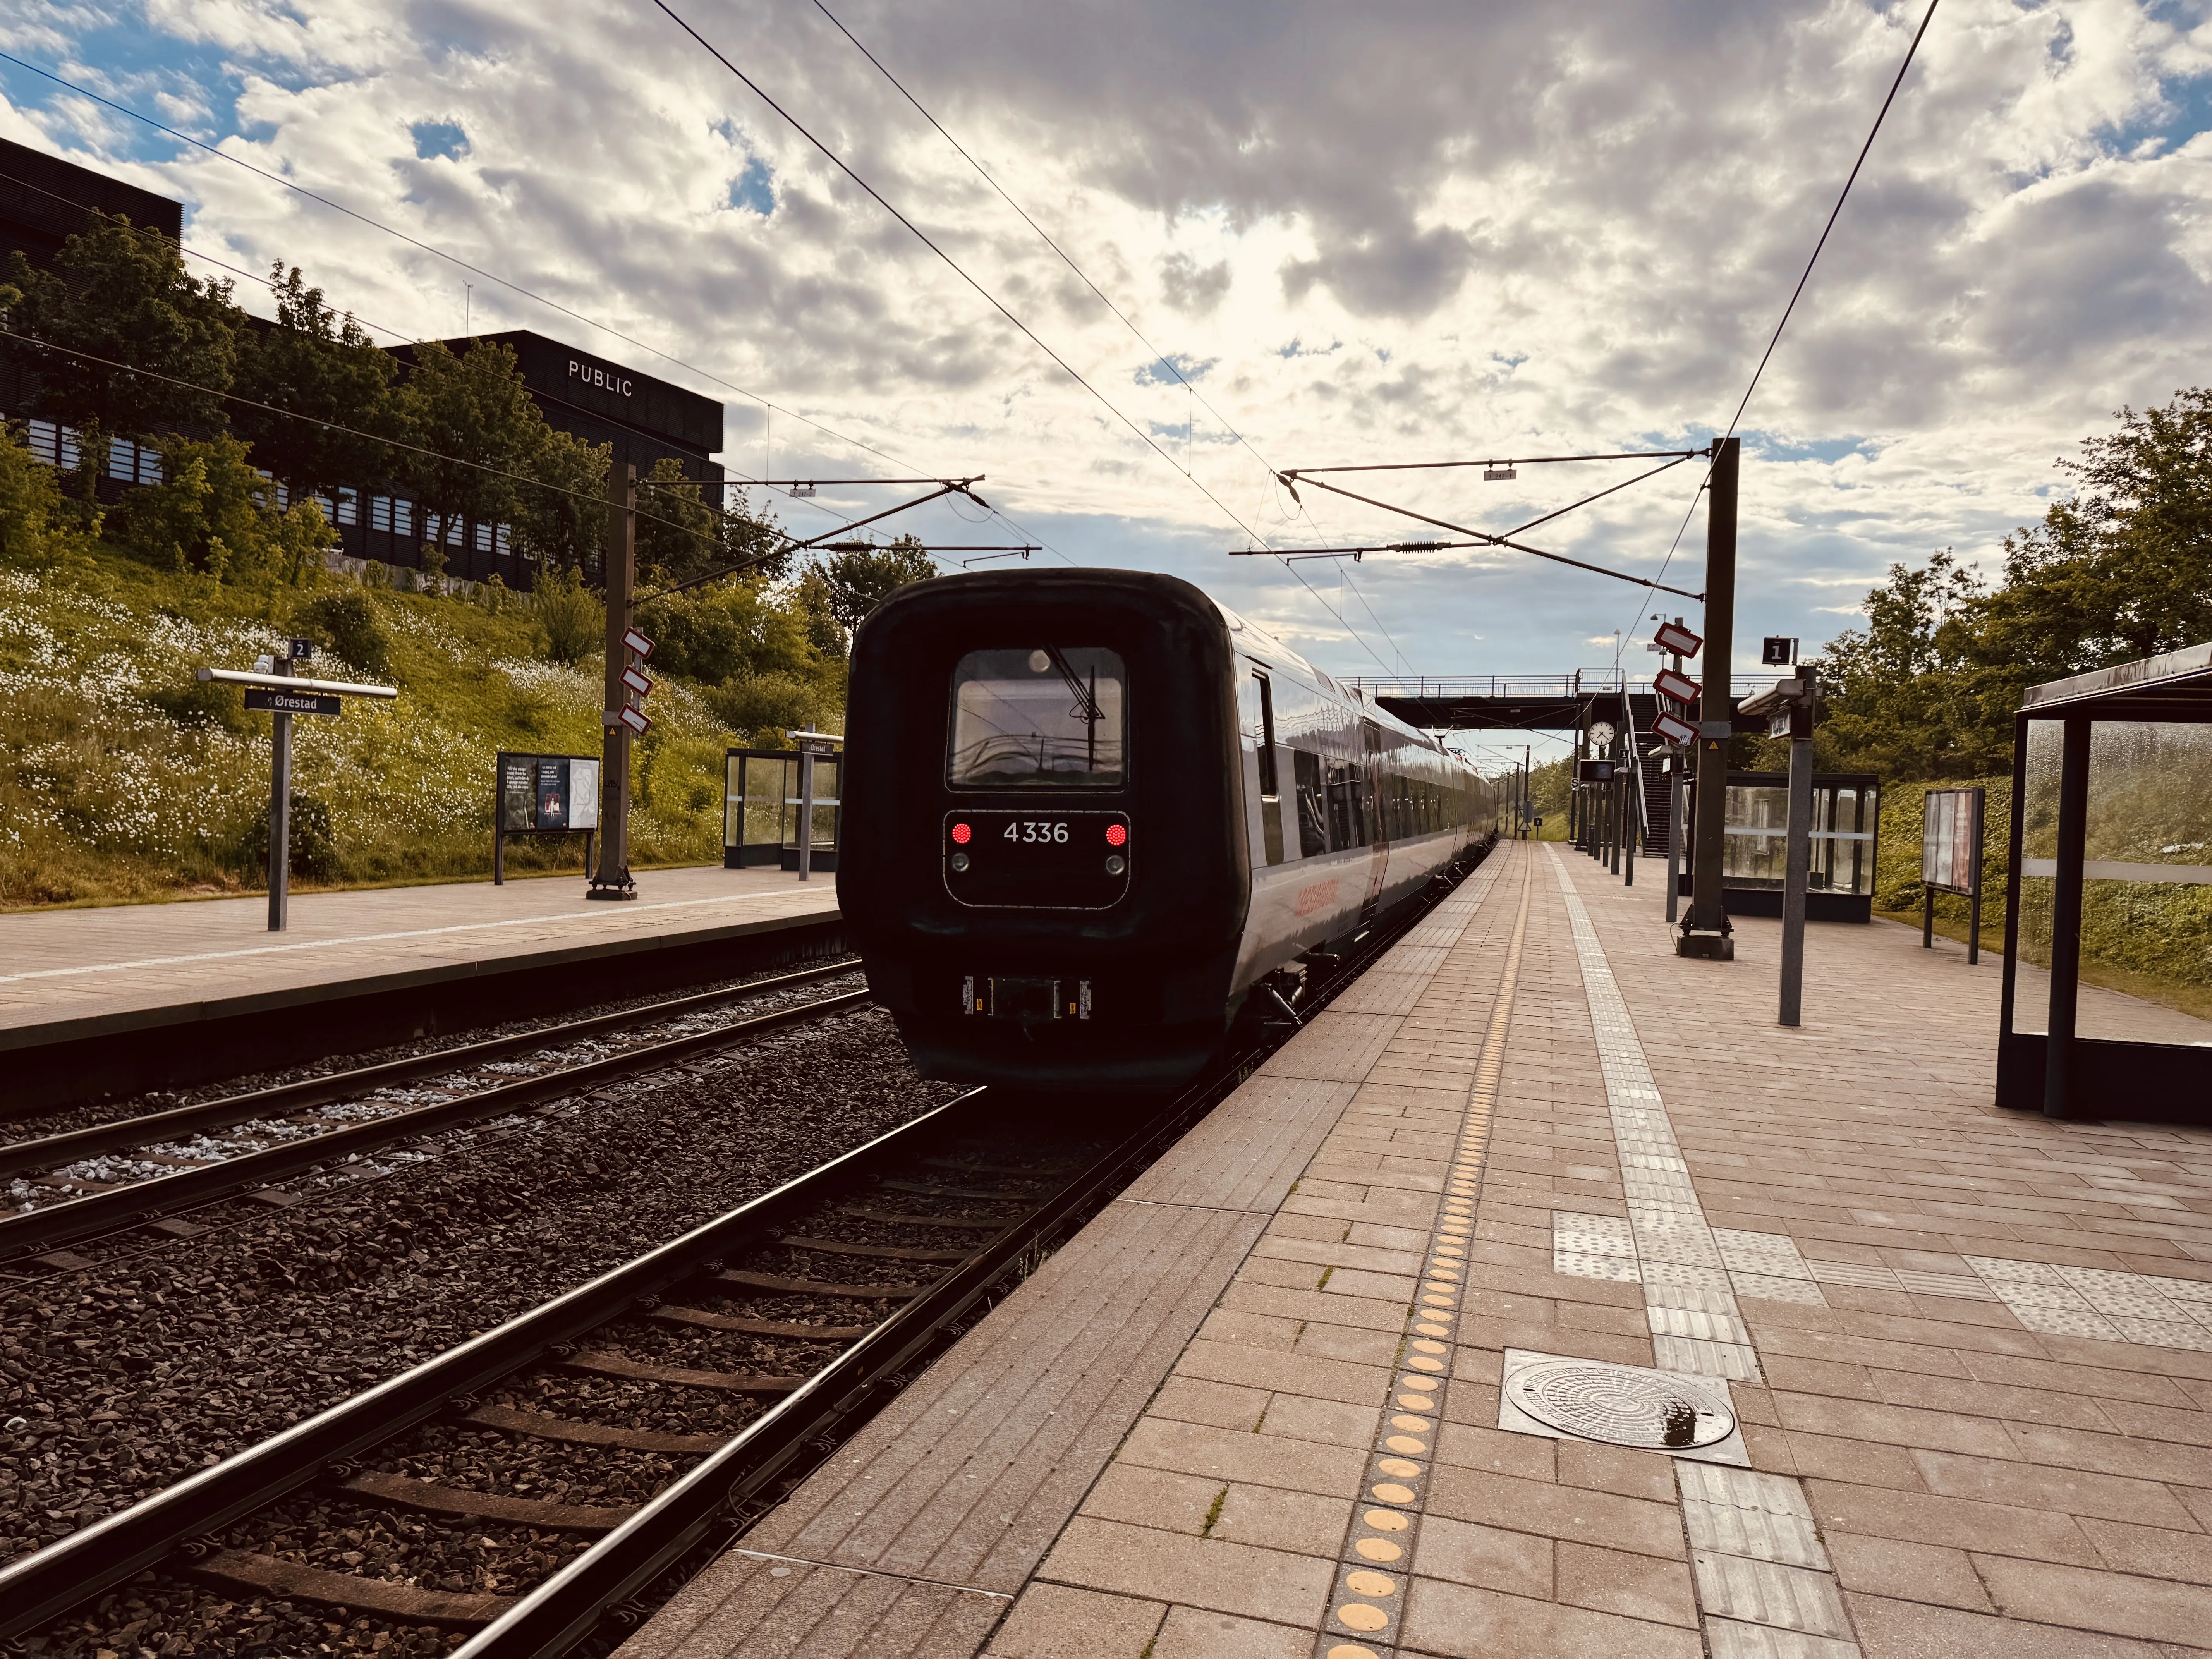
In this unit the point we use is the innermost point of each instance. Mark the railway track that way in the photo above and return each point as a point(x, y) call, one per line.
point(512, 1491)
point(111, 1177)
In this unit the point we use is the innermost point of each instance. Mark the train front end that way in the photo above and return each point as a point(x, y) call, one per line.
point(1040, 861)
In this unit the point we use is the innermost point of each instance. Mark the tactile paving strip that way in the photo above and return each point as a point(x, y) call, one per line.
point(2112, 1305)
point(1367, 1602)
point(1695, 1324)
point(1764, 1589)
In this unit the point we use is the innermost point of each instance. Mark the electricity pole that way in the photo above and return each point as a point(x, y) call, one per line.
point(1706, 930)
point(613, 879)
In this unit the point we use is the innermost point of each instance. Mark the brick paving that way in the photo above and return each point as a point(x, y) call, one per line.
point(1971, 1351)
point(121, 960)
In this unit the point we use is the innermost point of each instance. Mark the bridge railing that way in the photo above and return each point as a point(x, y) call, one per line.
point(1529, 688)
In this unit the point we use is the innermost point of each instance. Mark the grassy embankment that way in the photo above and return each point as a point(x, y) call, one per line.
point(123, 780)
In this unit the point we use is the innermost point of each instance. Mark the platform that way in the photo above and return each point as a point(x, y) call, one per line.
point(123, 973)
point(1254, 1409)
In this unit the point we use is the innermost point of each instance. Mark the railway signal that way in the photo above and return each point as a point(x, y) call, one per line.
point(1681, 687)
point(1670, 728)
point(1674, 637)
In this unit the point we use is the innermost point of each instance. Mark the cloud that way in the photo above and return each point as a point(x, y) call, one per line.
point(1430, 232)
point(1189, 289)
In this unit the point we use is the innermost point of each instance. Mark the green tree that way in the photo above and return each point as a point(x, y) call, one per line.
point(210, 513)
point(124, 296)
point(317, 364)
point(1904, 696)
point(565, 523)
point(2123, 570)
point(472, 412)
point(35, 533)
point(860, 581)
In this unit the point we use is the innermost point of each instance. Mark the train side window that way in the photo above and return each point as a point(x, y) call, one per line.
point(1313, 836)
point(1266, 736)
point(1257, 714)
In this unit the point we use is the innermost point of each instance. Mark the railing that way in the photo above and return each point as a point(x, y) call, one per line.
point(1530, 688)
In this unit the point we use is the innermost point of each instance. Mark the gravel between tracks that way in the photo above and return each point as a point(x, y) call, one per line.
point(111, 1109)
point(122, 1380)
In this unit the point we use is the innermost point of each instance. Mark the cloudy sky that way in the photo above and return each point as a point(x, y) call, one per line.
point(1377, 234)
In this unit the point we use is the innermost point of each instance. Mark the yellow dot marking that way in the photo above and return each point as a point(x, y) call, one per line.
point(1421, 1362)
point(1415, 1425)
point(1386, 1520)
point(1390, 1492)
point(1438, 1301)
point(1378, 1549)
point(1418, 1385)
point(1427, 1328)
point(1430, 1347)
point(1417, 1402)
point(1399, 1467)
point(1449, 1252)
point(1372, 1583)
point(1358, 1616)
point(1352, 1650)
point(1406, 1442)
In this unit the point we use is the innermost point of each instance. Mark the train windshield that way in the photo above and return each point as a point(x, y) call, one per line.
point(1051, 715)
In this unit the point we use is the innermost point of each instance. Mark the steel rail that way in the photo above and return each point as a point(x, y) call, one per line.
point(567, 1606)
point(552, 1618)
point(40, 1587)
point(35, 1231)
point(54, 1151)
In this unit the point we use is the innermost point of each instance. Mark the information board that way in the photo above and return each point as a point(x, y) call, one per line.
point(542, 795)
point(269, 701)
point(1950, 834)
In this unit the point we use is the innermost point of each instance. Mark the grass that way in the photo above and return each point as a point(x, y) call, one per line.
point(123, 780)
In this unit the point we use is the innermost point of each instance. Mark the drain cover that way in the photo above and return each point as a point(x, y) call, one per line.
point(1620, 1405)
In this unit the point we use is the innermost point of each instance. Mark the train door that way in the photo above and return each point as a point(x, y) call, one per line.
point(1377, 809)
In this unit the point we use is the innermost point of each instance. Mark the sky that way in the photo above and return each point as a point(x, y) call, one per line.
point(1363, 235)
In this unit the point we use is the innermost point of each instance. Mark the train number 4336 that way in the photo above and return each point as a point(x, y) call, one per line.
point(1032, 829)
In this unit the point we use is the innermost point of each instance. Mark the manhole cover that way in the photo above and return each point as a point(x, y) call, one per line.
point(1620, 1406)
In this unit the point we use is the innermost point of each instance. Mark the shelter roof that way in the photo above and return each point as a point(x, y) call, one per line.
point(2177, 685)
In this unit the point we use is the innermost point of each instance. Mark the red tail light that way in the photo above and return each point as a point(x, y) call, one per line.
point(1116, 835)
point(960, 833)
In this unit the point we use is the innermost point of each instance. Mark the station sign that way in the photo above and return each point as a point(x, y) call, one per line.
point(1776, 652)
point(266, 700)
point(1668, 729)
point(1679, 639)
point(1681, 687)
point(1595, 771)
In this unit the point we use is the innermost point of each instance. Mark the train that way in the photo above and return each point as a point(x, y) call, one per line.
point(1093, 821)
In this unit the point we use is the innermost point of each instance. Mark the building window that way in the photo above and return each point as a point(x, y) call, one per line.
point(499, 541)
point(483, 538)
point(122, 461)
point(432, 524)
point(379, 513)
point(453, 529)
point(349, 506)
point(403, 518)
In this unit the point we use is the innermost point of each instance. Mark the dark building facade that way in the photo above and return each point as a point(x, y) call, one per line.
point(44, 200)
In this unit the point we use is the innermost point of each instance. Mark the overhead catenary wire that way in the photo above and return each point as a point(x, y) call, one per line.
point(438, 252)
point(1160, 358)
point(990, 299)
point(1804, 277)
point(791, 543)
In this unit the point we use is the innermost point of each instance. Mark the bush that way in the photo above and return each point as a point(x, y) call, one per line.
point(34, 530)
point(570, 616)
point(312, 849)
point(347, 623)
point(201, 706)
point(766, 705)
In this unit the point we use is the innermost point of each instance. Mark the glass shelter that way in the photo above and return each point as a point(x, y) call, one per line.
point(1846, 814)
point(2107, 1005)
point(762, 807)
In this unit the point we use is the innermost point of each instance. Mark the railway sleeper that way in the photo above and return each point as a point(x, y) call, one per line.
point(246, 1570)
